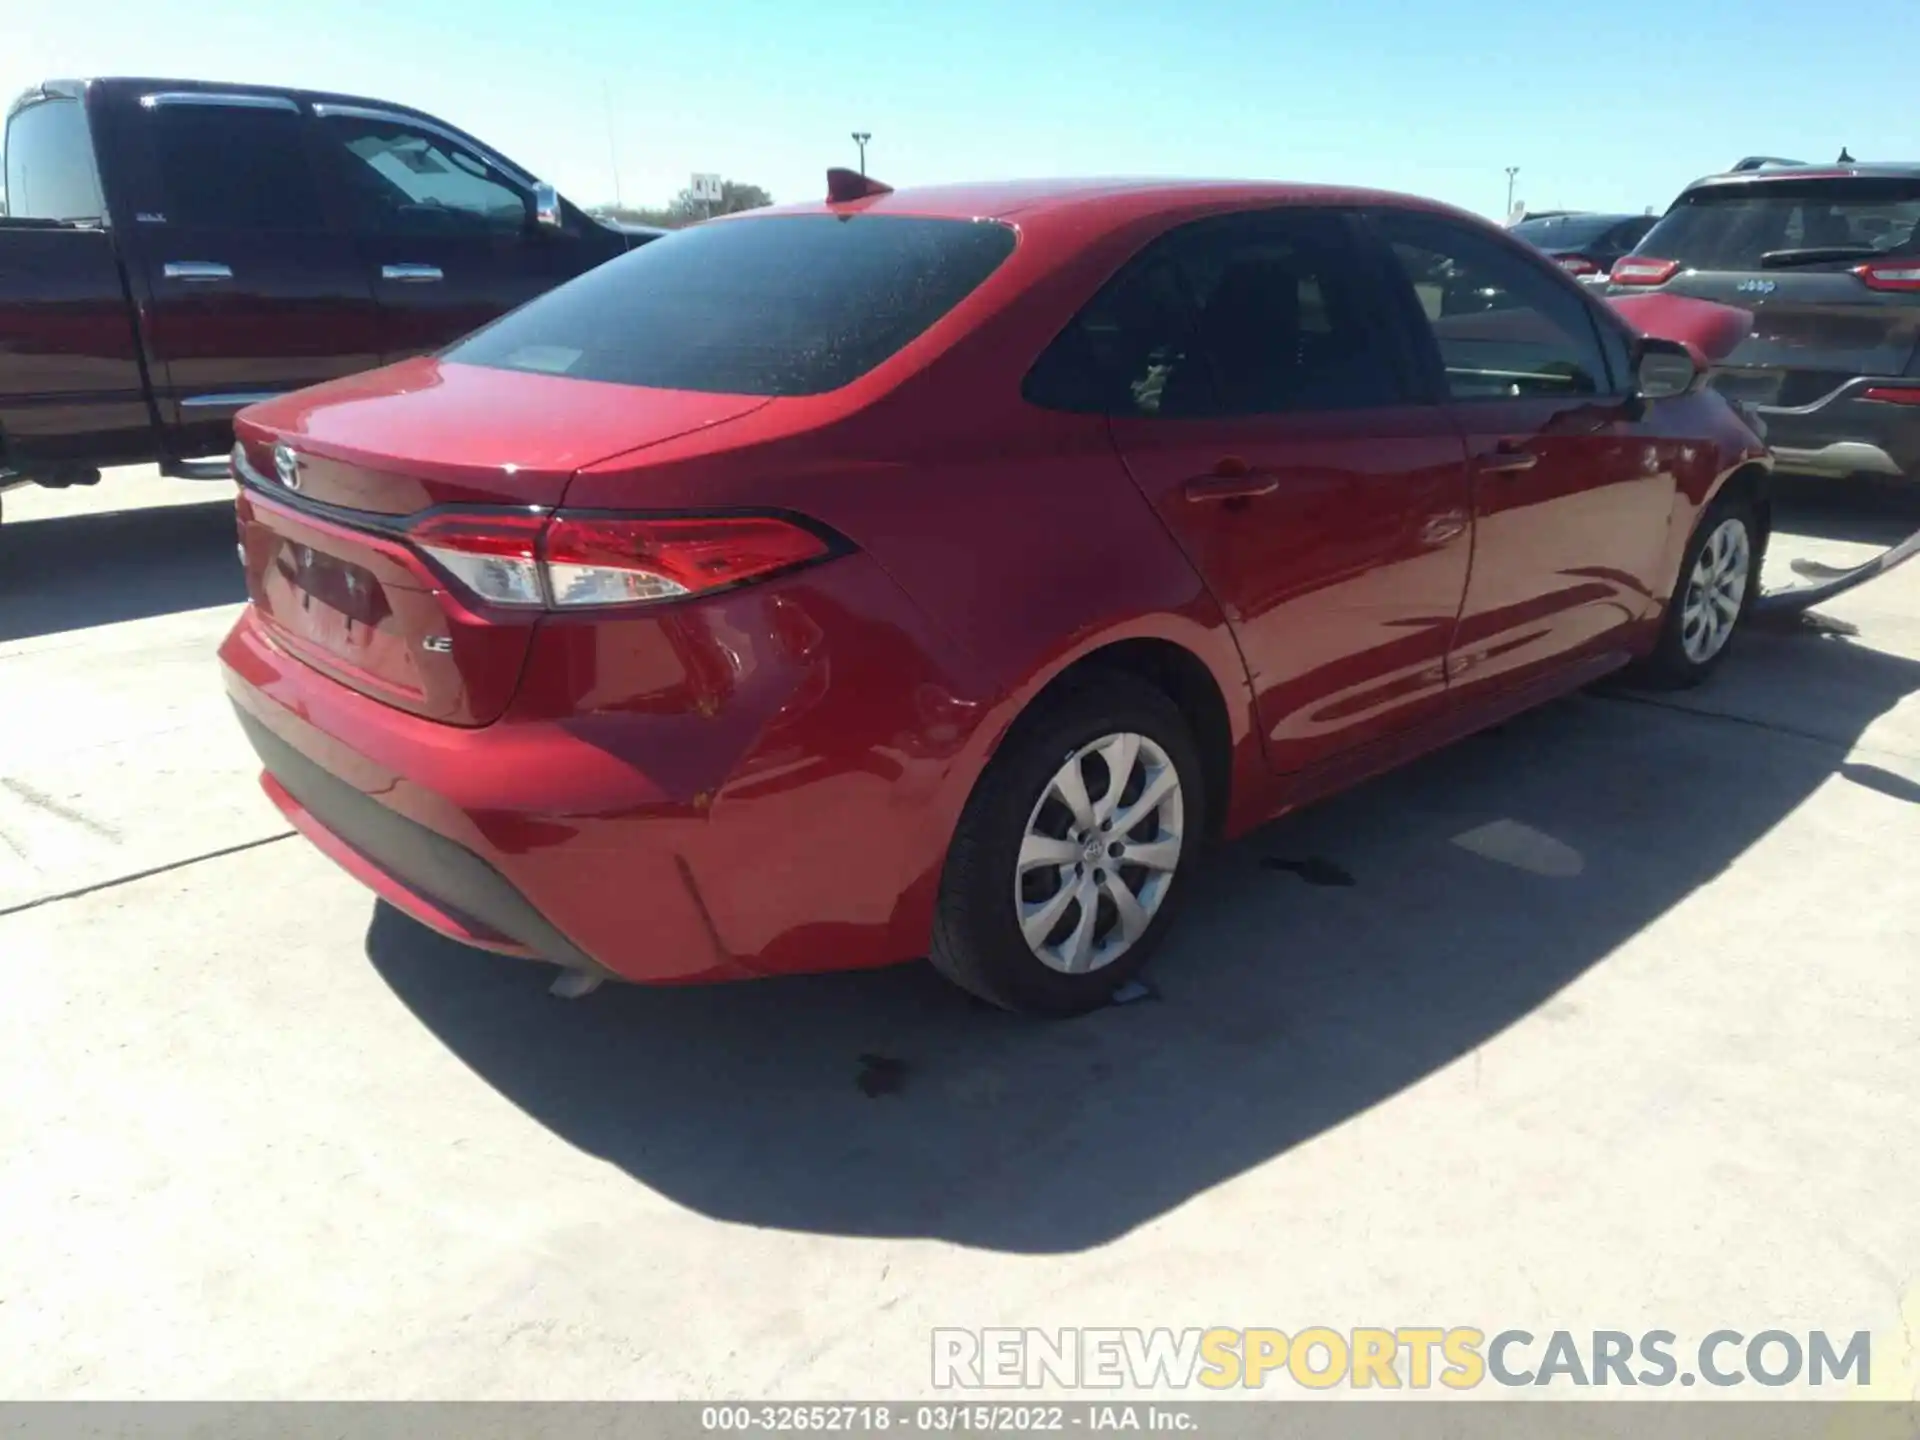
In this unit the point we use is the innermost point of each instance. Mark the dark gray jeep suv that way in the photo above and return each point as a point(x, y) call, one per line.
point(1827, 257)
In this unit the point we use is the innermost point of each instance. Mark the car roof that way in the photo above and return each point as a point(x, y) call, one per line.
point(1114, 198)
point(76, 88)
point(1599, 217)
point(1773, 174)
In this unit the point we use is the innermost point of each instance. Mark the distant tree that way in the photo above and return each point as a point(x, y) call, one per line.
point(685, 210)
point(629, 215)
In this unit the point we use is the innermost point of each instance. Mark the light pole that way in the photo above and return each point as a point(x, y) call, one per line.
point(860, 138)
point(1512, 170)
point(613, 150)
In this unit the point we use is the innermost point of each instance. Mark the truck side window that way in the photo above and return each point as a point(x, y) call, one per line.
point(234, 168)
point(402, 181)
point(50, 171)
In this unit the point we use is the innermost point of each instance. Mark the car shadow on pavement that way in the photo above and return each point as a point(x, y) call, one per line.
point(75, 571)
point(1324, 964)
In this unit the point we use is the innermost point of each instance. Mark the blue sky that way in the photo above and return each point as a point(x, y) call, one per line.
point(1607, 105)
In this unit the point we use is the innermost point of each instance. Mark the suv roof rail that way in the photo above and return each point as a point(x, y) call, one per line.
point(1762, 162)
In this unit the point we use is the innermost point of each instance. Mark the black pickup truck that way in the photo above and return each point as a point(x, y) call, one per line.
point(174, 250)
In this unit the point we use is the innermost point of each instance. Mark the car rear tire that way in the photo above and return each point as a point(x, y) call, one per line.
point(1073, 849)
point(1719, 579)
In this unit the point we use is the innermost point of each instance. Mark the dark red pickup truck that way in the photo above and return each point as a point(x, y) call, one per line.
point(173, 250)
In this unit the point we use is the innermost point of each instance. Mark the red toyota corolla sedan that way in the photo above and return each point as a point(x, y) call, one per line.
point(937, 573)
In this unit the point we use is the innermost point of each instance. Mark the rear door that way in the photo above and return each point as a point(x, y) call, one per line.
point(443, 232)
point(71, 387)
point(1267, 410)
point(253, 292)
point(1570, 500)
point(1759, 242)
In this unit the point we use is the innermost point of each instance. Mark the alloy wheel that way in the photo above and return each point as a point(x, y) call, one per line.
point(1716, 590)
point(1099, 853)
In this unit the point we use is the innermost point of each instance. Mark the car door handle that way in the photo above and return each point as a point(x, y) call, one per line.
point(418, 274)
point(1508, 457)
point(1232, 479)
point(197, 270)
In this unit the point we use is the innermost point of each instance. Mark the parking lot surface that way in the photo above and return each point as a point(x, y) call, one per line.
point(1607, 1018)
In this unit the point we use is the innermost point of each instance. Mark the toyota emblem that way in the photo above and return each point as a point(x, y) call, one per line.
point(286, 466)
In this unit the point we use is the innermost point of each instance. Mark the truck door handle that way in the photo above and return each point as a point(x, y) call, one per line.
point(418, 274)
point(1508, 457)
point(1232, 479)
point(200, 270)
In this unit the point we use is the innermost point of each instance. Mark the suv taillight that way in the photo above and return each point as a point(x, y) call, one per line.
point(581, 558)
point(1643, 270)
point(1577, 265)
point(1890, 274)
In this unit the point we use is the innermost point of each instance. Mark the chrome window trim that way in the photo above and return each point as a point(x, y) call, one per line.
point(161, 98)
point(232, 400)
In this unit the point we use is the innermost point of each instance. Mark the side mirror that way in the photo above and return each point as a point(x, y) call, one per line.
point(1665, 368)
point(547, 214)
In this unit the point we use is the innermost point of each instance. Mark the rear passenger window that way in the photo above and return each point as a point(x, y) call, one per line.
point(1117, 354)
point(232, 167)
point(1505, 328)
point(1264, 313)
point(50, 171)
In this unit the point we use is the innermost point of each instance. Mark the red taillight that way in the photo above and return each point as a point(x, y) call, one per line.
point(1893, 394)
point(491, 552)
point(1643, 270)
point(1577, 265)
point(625, 559)
point(1890, 274)
point(569, 560)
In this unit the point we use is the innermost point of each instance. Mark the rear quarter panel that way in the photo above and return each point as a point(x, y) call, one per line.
point(1014, 530)
point(1706, 445)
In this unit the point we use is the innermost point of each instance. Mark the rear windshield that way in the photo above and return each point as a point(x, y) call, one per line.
point(782, 305)
point(1732, 227)
point(1560, 231)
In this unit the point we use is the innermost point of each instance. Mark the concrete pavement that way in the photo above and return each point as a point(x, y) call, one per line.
point(1614, 1027)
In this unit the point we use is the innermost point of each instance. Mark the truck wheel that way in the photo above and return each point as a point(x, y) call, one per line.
point(1062, 875)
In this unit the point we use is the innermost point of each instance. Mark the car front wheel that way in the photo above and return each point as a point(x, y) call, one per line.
point(1063, 871)
point(1719, 578)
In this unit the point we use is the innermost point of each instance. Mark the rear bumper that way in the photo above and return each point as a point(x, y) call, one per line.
point(1842, 434)
point(475, 833)
point(761, 784)
point(439, 883)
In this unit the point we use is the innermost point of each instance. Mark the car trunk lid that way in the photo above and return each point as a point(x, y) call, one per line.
point(338, 482)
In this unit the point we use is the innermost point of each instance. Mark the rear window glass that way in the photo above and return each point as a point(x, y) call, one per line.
point(782, 305)
point(50, 174)
point(1734, 227)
